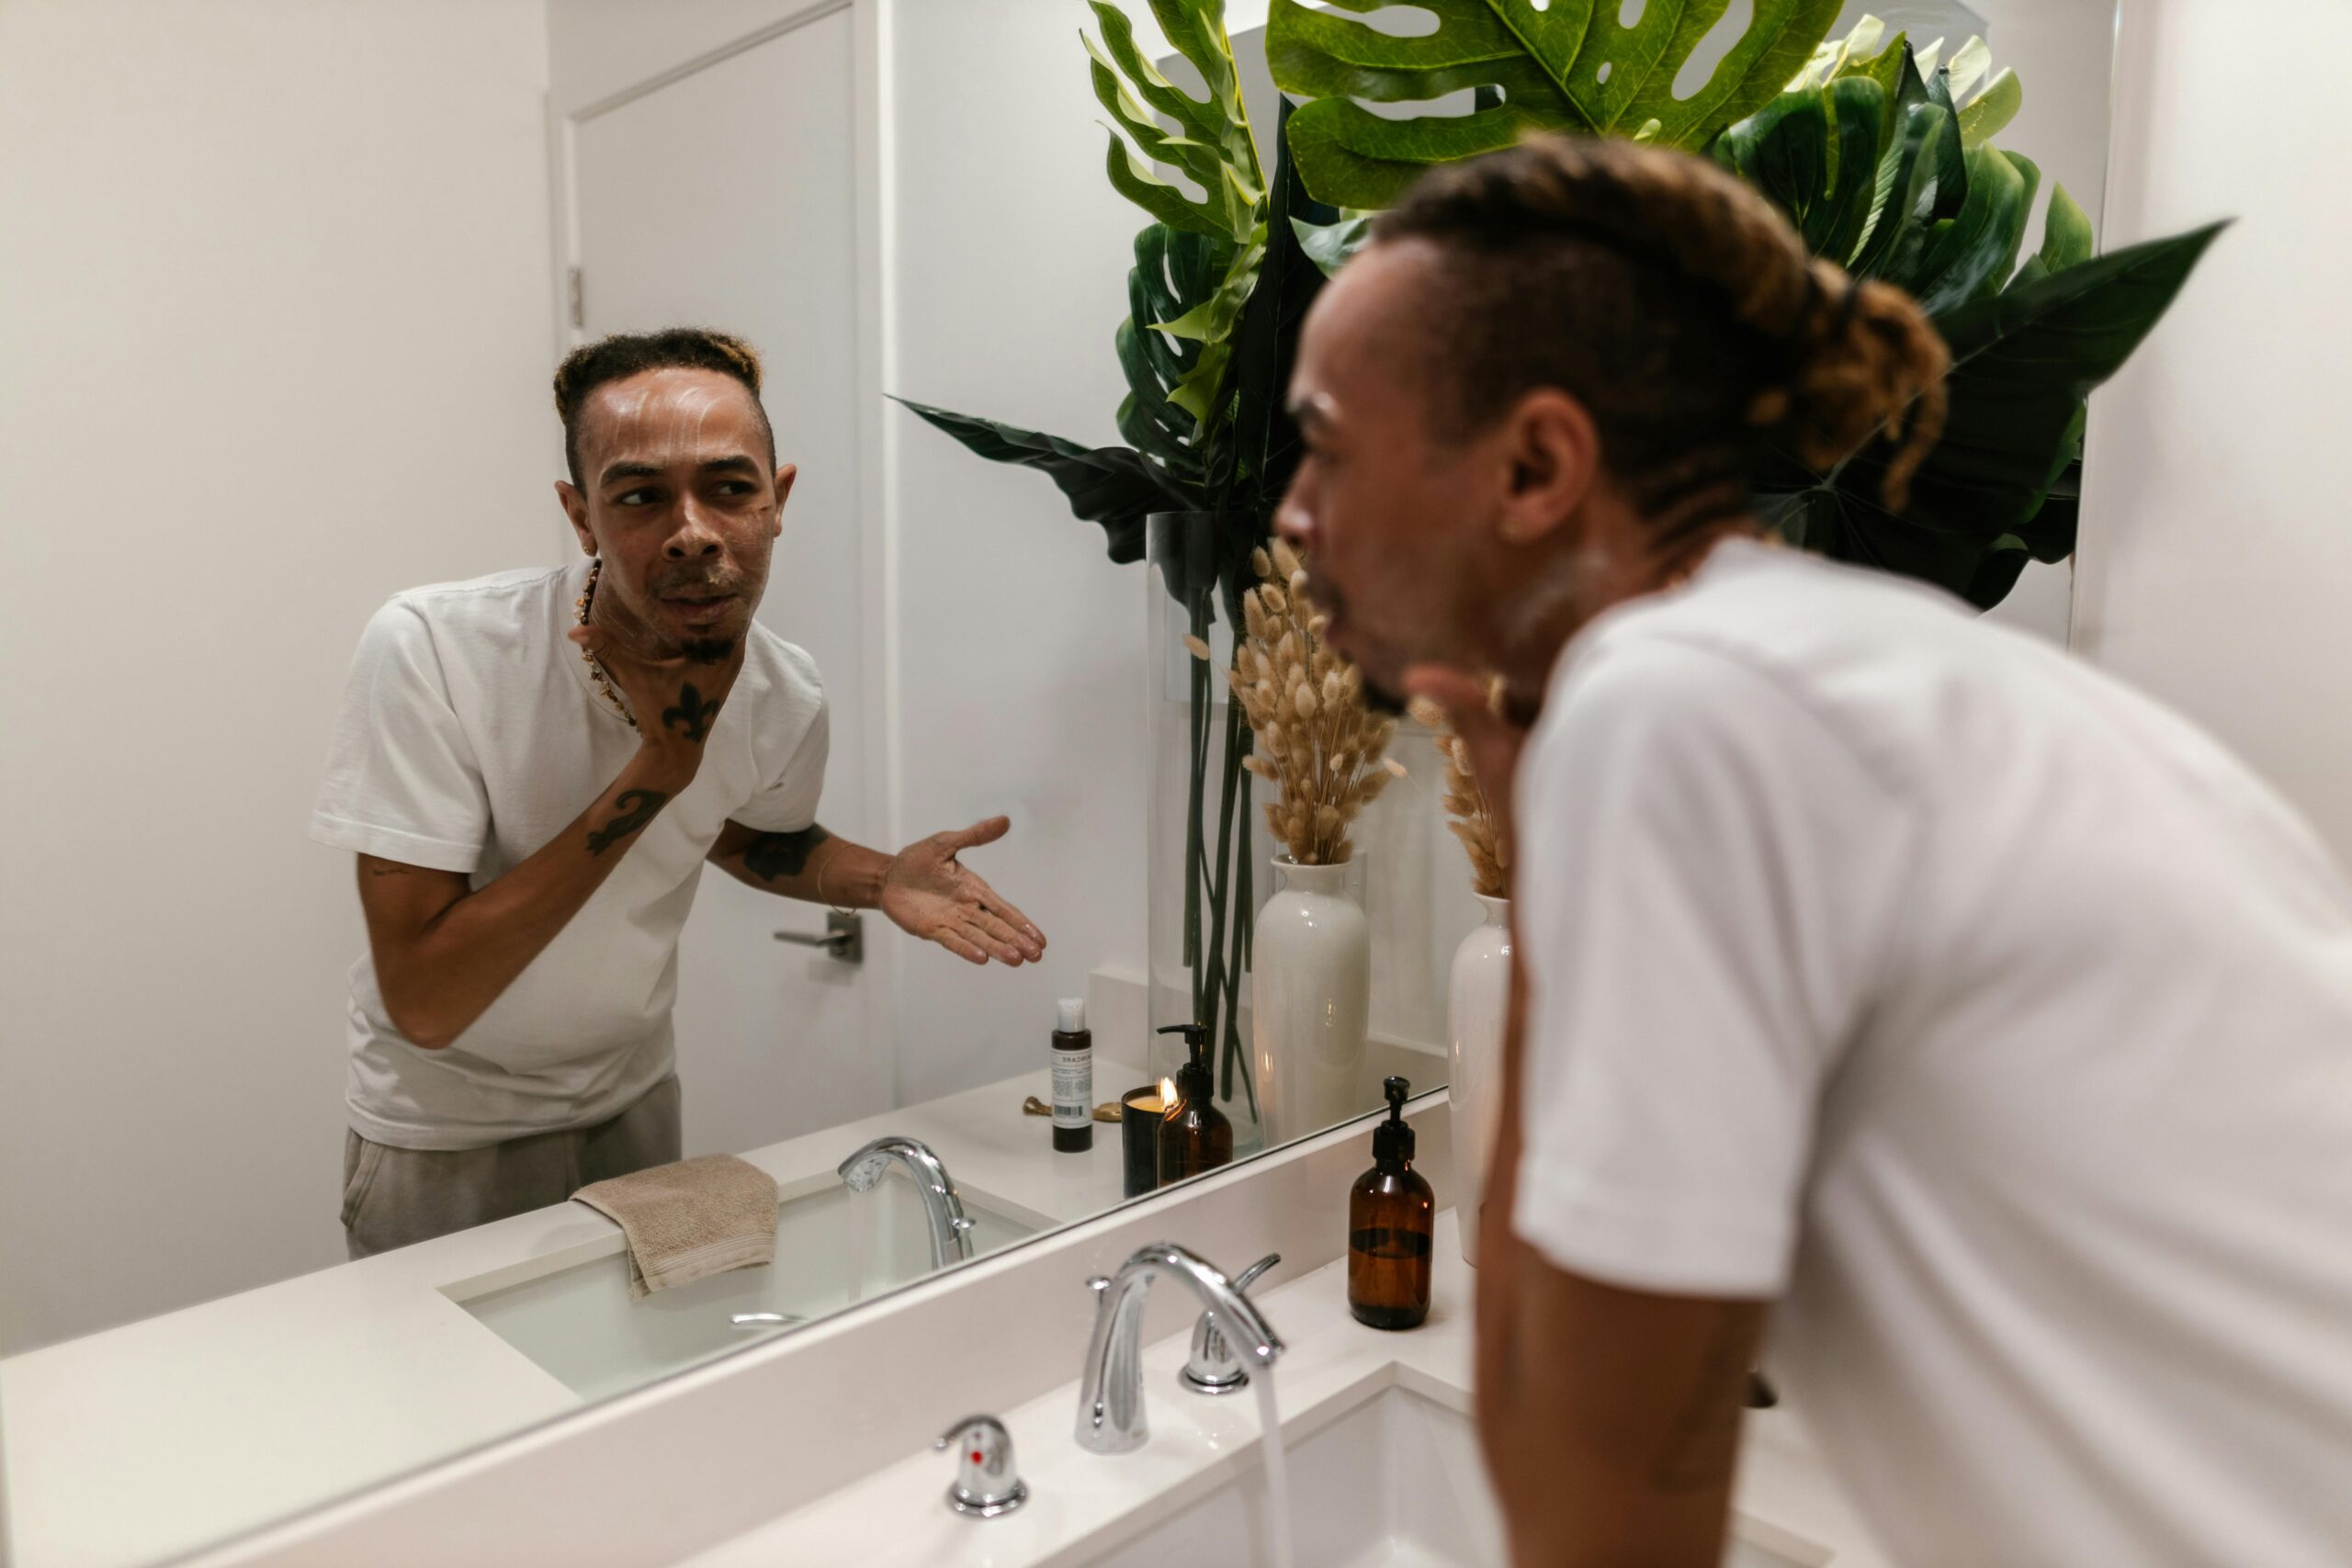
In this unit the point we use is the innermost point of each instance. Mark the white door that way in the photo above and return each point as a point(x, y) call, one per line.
point(725, 198)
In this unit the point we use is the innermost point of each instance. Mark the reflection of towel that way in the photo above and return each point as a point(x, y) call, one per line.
point(688, 1221)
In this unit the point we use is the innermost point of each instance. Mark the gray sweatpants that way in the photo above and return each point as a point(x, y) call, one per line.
point(392, 1197)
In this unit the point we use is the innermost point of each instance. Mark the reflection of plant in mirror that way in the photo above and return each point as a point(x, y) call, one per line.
point(1537, 65)
point(1325, 753)
point(1882, 157)
point(1219, 286)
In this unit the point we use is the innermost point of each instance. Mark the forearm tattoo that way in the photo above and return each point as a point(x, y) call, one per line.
point(772, 855)
point(693, 714)
point(637, 807)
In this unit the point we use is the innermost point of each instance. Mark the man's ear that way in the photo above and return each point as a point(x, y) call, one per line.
point(785, 474)
point(1554, 451)
point(575, 507)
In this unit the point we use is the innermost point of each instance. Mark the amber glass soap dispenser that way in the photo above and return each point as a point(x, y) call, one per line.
point(1194, 1135)
point(1392, 1222)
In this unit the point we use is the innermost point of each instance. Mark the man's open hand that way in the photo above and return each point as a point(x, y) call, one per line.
point(927, 892)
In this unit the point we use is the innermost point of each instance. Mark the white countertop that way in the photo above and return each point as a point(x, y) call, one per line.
point(151, 1439)
point(1082, 1502)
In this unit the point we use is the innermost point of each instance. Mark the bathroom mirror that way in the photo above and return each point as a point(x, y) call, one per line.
point(284, 284)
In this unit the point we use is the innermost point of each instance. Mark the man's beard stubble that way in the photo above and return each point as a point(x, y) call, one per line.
point(1325, 597)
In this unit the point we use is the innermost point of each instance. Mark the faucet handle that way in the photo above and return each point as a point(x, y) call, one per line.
point(1213, 1368)
point(988, 1483)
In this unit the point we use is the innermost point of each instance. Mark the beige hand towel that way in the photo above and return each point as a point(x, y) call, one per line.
point(688, 1221)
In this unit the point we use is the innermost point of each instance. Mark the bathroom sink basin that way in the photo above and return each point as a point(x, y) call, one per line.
point(832, 1248)
point(1395, 1482)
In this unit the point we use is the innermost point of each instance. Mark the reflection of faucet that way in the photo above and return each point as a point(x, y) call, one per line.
point(1110, 1396)
point(951, 1233)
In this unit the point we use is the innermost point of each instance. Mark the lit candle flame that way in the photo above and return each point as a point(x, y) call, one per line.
point(1168, 1091)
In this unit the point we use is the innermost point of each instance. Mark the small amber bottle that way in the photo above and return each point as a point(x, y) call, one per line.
point(1392, 1222)
point(1194, 1135)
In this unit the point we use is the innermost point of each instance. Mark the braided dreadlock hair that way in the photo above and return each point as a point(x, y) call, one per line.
point(1677, 305)
point(623, 354)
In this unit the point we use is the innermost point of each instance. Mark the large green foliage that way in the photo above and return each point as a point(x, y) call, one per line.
point(1564, 65)
point(1211, 144)
point(1220, 283)
point(1878, 169)
point(1235, 455)
point(1882, 157)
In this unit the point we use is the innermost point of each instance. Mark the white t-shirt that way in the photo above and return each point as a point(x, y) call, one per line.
point(471, 733)
point(1988, 1015)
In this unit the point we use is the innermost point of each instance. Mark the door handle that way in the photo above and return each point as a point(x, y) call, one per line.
point(844, 936)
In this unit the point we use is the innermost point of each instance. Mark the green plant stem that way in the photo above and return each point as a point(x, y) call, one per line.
point(1220, 880)
point(1196, 785)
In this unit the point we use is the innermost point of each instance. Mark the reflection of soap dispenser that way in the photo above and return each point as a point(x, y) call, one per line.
point(1194, 1135)
point(1392, 1221)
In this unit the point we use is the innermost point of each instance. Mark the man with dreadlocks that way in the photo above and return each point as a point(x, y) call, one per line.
point(532, 769)
point(1887, 975)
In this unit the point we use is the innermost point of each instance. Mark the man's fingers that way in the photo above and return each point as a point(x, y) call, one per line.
point(961, 946)
point(1462, 695)
point(1011, 943)
point(997, 947)
point(1023, 929)
point(978, 833)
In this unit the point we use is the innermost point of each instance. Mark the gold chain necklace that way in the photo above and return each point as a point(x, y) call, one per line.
point(595, 669)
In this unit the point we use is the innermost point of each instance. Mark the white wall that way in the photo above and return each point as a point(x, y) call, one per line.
point(1020, 658)
point(2216, 562)
point(273, 338)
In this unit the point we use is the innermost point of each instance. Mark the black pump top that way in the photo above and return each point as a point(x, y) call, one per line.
point(1193, 1080)
point(1392, 1141)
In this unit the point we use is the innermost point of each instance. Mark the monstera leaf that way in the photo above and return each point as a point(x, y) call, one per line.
point(2024, 361)
point(1944, 213)
point(1176, 272)
point(1564, 65)
point(1212, 146)
point(1109, 485)
point(1212, 143)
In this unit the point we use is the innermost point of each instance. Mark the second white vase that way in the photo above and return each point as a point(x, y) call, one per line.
point(1311, 998)
point(1477, 1005)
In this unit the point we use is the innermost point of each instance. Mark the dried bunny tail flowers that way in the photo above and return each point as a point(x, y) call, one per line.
point(1470, 817)
point(1319, 746)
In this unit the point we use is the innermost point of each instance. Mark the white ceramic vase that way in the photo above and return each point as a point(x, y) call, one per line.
point(1477, 1005)
point(1311, 996)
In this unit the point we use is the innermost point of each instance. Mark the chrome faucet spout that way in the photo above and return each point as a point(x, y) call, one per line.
point(1110, 1399)
point(943, 1207)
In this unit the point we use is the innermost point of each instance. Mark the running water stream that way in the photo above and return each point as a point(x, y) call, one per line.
point(1278, 1552)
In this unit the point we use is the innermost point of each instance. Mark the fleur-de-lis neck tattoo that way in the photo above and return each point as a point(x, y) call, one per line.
point(693, 714)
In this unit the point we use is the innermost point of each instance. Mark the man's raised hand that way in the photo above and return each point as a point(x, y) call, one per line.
point(1494, 740)
point(929, 893)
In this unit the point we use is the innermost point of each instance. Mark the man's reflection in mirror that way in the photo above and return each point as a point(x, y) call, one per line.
point(531, 769)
